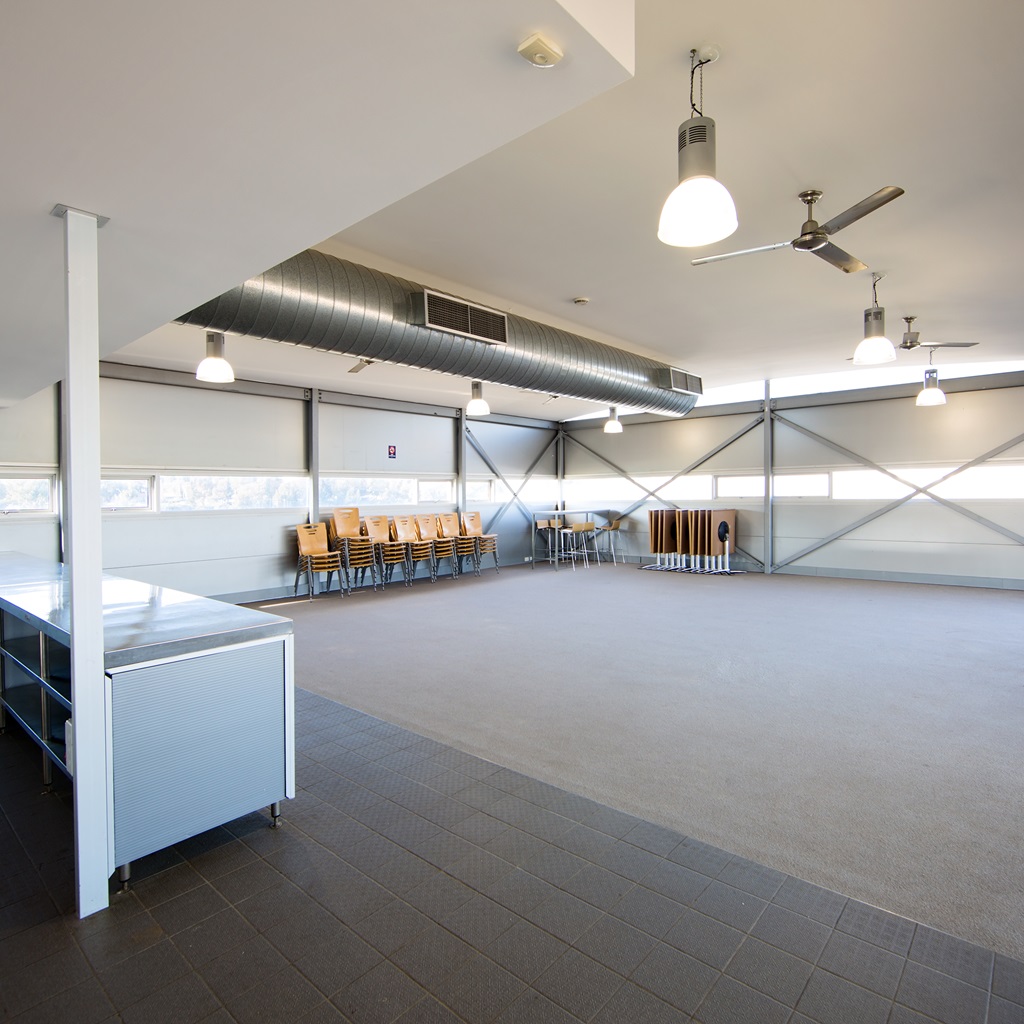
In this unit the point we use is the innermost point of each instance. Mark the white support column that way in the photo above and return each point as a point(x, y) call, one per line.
point(83, 557)
point(769, 477)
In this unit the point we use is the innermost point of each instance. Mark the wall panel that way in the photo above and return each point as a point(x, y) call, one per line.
point(355, 440)
point(157, 426)
point(28, 431)
point(205, 553)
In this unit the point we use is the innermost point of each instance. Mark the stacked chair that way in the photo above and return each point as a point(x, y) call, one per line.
point(356, 549)
point(316, 557)
point(387, 552)
point(485, 543)
point(349, 545)
point(403, 530)
point(443, 547)
point(465, 546)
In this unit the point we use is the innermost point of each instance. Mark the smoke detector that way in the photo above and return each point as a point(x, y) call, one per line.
point(540, 52)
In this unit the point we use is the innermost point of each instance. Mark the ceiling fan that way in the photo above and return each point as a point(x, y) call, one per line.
point(911, 339)
point(815, 238)
point(361, 365)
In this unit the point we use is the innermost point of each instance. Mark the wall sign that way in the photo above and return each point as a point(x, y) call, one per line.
point(392, 451)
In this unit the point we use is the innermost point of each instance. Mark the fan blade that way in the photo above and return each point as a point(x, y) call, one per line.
point(361, 365)
point(842, 260)
point(862, 209)
point(742, 252)
point(948, 344)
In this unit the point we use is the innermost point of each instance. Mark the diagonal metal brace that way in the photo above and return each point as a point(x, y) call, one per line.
point(914, 492)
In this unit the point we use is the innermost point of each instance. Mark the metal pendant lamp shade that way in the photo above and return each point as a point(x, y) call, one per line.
point(215, 369)
point(477, 405)
point(699, 210)
point(876, 347)
point(931, 393)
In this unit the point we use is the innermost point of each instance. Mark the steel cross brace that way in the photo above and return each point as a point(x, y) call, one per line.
point(683, 472)
point(515, 499)
point(915, 490)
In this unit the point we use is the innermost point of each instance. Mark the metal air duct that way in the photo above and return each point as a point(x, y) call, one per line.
point(331, 305)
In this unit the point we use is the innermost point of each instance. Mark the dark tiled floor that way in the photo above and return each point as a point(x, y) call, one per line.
point(417, 884)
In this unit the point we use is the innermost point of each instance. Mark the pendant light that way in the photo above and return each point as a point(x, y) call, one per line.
point(699, 210)
point(215, 369)
point(931, 393)
point(612, 424)
point(876, 347)
point(477, 405)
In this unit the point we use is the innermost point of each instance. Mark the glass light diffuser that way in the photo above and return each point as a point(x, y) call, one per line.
point(698, 211)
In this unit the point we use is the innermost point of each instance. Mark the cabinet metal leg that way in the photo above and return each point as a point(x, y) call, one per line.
point(275, 813)
point(124, 874)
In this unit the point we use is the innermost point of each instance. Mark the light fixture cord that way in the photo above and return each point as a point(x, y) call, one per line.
point(695, 66)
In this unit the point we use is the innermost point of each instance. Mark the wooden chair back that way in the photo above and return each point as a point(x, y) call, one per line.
point(312, 539)
point(377, 528)
point(403, 529)
point(426, 527)
point(472, 525)
point(449, 524)
point(346, 522)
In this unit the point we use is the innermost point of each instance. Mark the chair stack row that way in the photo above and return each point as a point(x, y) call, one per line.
point(692, 540)
point(350, 545)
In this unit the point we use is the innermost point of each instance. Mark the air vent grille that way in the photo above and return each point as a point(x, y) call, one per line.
point(445, 313)
point(693, 134)
point(679, 380)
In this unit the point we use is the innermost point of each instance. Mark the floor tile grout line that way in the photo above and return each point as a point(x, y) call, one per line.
point(663, 858)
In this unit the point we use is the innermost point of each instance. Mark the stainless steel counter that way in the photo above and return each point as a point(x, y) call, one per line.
point(141, 622)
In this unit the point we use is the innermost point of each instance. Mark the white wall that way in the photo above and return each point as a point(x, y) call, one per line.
point(29, 446)
point(920, 540)
point(148, 428)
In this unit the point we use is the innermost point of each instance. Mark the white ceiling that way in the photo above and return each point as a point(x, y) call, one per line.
point(279, 153)
point(221, 138)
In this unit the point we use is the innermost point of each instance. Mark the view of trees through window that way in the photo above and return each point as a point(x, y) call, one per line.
point(26, 494)
point(127, 493)
point(207, 492)
point(385, 490)
point(198, 493)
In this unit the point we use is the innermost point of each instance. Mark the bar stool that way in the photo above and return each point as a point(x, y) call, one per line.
point(608, 532)
point(574, 543)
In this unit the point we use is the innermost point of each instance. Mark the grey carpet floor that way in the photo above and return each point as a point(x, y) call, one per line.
point(868, 737)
